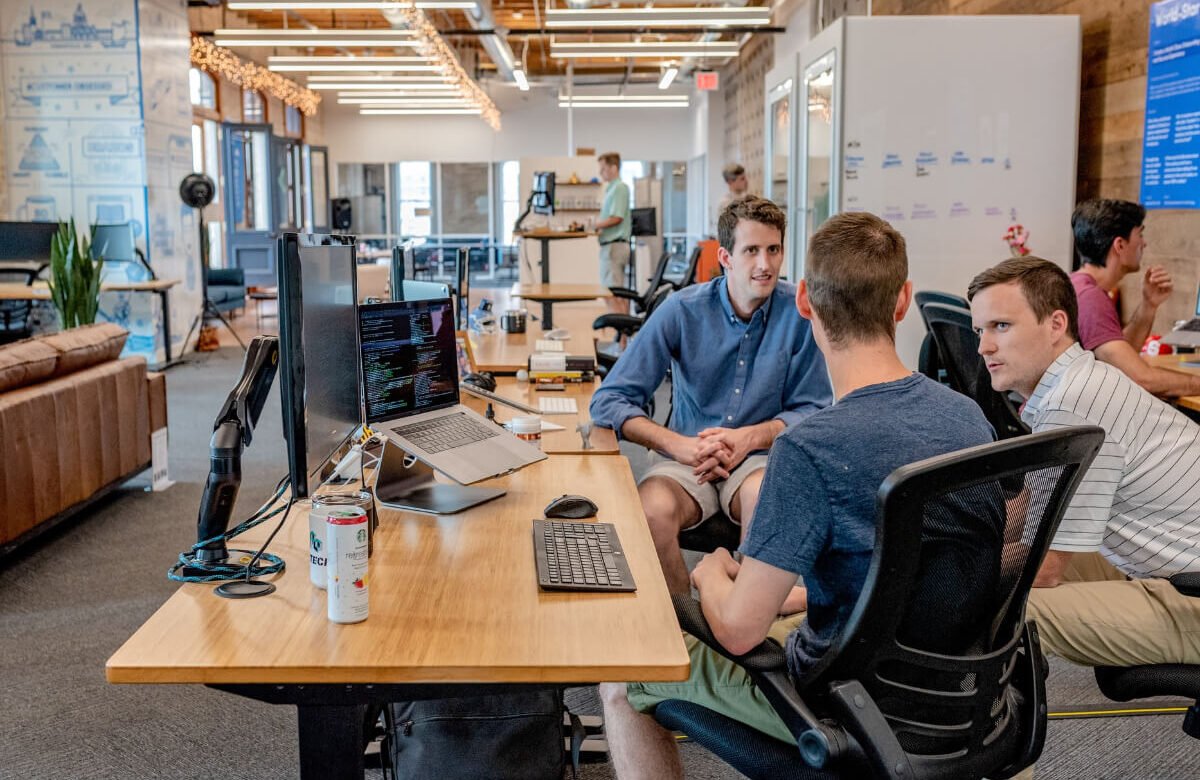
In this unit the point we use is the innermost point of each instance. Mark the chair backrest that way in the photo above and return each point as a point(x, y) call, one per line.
point(689, 276)
point(14, 314)
point(656, 279)
point(958, 353)
point(114, 243)
point(936, 631)
point(933, 296)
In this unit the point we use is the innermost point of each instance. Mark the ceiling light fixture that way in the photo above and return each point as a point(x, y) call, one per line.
point(622, 101)
point(520, 78)
point(319, 78)
point(302, 37)
point(598, 49)
point(417, 101)
point(350, 59)
point(745, 16)
point(354, 87)
point(420, 111)
point(668, 76)
point(398, 93)
point(343, 5)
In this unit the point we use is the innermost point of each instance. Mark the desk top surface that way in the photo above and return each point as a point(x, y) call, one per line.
point(564, 442)
point(553, 234)
point(559, 292)
point(1180, 363)
point(41, 291)
point(507, 353)
point(453, 599)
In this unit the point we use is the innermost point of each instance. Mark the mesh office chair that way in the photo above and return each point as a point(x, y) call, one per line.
point(689, 275)
point(929, 362)
point(885, 700)
point(958, 349)
point(14, 315)
point(641, 301)
point(1124, 683)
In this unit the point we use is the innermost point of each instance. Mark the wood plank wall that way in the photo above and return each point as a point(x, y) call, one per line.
point(1112, 108)
point(744, 83)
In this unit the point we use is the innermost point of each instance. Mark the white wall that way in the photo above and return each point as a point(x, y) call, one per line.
point(532, 125)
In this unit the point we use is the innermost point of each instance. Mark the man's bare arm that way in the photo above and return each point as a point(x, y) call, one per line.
point(1160, 381)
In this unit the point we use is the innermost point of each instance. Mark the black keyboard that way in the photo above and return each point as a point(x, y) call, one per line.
point(580, 556)
point(446, 432)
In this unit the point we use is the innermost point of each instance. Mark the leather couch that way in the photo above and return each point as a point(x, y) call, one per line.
point(75, 423)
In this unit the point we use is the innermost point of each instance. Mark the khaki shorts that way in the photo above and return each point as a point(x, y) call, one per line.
point(614, 260)
point(711, 497)
point(718, 684)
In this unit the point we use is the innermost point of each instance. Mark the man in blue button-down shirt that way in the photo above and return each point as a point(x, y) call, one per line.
point(744, 367)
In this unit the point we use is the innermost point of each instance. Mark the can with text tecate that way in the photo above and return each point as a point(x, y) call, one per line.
point(346, 537)
point(318, 549)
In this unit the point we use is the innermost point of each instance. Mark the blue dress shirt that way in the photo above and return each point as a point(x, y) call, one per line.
point(725, 372)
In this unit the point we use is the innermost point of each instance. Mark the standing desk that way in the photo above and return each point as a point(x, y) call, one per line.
point(550, 294)
point(455, 610)
point(544, 237)
point(507, 353)
point(1177, 363)
point(40, 291)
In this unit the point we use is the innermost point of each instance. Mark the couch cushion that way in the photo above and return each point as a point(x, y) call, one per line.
point(86, 346)
point(26, 362)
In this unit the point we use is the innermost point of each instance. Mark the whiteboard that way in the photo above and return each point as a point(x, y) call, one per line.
point(954, 127)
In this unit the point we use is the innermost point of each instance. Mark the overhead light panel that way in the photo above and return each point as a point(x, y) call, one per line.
point(417, 101)
point(344, 5)
point(668, 77)
point(745, 16)
point(301, 37)
point(521, 79)
point(350, 59)
point(398, 93)
point(644, 49)
point(363, 78)
point(420, 111)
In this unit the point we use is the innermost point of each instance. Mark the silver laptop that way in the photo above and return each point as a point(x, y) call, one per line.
point(1188, 333)
point(408, 359)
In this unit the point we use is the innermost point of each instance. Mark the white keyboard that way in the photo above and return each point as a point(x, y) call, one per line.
point(548, 345)
point(557, 405)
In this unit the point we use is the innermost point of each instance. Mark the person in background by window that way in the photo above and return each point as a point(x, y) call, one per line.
point(614, 230)
point(735, 179)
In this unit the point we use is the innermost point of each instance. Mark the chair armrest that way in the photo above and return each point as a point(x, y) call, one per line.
point(819, 742)
point(623, 323)
point(625, 292)
point(1187, 583)
point(861, 717)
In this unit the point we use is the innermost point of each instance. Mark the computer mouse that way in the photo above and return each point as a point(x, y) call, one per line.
point(483, 380)
point(571, 508)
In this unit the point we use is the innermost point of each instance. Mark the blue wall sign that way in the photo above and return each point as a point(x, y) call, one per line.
point(1171, 146)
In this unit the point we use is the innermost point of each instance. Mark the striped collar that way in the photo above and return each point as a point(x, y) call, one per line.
point(1051, 379)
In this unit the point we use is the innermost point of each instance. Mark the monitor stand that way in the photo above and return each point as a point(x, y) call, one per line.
point(405, 482)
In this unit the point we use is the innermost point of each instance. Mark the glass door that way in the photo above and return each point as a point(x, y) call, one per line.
point(779, 144)
point(819, 196)
point(316, 164)
point(250, 239)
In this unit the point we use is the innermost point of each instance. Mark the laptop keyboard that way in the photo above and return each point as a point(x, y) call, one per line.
point(446, 432)
point(557, 405)
point(580, 556)
point(1191, 325)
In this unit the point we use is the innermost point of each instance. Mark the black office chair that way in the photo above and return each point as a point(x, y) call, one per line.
point(1124, 683)
point(958, 350)
point(641, 301)
point(689, 273)
point(883, 702)
point(929, 362)
point(14, 315)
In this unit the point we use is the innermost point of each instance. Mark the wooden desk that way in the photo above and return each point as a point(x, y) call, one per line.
point(603, 440)
point(544, 237)
point(454, 600)
point(507, 353)
point(40, 291)
point(550, 294)
point(1176, 363)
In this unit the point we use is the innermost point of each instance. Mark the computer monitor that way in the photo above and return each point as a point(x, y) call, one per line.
point(114, 243)
point(542, 196)
point(403, 268)
point(462, 289)
point(26, 240)
point(644, 221)
point(318, 335)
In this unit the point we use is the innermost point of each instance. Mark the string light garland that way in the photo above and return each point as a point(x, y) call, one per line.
point(222, 62)
point(436, 47)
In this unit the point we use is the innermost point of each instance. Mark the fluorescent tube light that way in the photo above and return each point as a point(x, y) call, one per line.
point(302, 37)
point(522, 81)
point(350, 59)
point(746, 16)
point(668, 76)
point(355, 78)
point(418, 101)
point(351, 86)
point(356, 68)
point(595, 49)
point(343, 5)
point(420, 111)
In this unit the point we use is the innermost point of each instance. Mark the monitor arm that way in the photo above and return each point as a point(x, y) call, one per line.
point(525, 213)
point(232, 433)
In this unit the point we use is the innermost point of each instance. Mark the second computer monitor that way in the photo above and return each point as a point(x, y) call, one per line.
point(543, 192)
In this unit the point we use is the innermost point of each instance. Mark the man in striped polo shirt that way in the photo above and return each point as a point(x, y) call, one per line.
point(1139, 503)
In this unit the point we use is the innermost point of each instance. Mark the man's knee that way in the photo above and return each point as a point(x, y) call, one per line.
point(746, 497)
point(669, 509)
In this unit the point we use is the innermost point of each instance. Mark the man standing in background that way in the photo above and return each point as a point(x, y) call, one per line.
point(735, 179)
point(614, 230)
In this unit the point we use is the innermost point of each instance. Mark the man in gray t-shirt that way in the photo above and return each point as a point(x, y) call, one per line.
point(816, 512)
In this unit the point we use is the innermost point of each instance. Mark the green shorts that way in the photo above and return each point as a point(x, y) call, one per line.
point(720, 685)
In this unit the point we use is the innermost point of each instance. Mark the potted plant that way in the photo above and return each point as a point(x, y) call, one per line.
point(74, 277)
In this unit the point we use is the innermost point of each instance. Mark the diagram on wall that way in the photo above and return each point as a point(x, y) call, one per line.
point(48, 29)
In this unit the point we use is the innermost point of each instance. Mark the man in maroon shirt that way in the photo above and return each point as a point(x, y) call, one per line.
point(1109, 240)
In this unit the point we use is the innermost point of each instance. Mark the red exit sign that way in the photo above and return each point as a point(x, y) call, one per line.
point(708, 80)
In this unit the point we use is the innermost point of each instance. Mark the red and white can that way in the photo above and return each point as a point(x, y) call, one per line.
point(346, 535)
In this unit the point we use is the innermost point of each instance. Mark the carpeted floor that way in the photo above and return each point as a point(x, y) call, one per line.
point(69, 601)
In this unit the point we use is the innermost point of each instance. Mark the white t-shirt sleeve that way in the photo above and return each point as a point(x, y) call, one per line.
point(1084, 523)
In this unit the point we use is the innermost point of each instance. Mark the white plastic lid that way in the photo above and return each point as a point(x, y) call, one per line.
point(526, 424)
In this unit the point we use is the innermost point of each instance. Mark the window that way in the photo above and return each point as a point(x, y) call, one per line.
point(203, 90)
point(510, 198)
point(254, 106)
point(293, 121)
point(463, 195)
point(416, 199)
point(630, 170)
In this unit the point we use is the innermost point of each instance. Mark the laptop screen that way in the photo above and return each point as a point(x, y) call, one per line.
point(408, 358)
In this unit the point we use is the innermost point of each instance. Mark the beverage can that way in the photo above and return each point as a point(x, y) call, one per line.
point(318, 552)
point(346, 533)
point(363, 499)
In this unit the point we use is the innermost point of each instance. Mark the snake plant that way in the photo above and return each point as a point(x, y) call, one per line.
point(74, 277)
